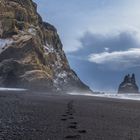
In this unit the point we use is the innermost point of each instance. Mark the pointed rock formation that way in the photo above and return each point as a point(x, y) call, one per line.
point(31, 54)
point(128, 85)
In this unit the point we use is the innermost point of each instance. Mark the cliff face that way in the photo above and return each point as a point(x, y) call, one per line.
point(128, 85)
point(31, 54)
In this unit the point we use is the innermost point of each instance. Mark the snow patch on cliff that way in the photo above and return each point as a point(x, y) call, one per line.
point(60, 79)
point(32, 31)
point(49, 48)
point(4, 43)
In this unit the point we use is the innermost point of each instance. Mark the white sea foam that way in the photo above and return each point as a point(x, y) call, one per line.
point(12, 89)
point(112, 95)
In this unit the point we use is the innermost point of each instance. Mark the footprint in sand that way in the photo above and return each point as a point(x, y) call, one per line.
point(72, 127)
point(74, 123)
point(71, 118)
point(70, 114)
point(73, 137)
point(64, 119)
point(64, 115)
point(82, 131)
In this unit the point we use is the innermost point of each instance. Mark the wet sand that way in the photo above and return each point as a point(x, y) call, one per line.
point(26, 116)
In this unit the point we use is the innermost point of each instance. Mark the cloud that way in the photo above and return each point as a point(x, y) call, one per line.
point(111, 41)
point(112, 50)
point(117, 59)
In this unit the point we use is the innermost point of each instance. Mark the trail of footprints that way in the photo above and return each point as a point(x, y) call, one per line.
point(71, 124)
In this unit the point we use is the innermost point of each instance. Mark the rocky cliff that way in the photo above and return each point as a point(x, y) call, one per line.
point(31, 54)
point(128, 85)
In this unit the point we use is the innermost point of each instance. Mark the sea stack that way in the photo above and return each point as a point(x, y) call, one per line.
point(128, 85)
point(31, 52)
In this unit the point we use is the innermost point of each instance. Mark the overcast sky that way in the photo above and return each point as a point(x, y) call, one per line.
point(101, 38)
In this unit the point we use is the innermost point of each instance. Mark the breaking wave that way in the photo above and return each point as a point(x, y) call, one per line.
point(126, 96)
point(12, 89)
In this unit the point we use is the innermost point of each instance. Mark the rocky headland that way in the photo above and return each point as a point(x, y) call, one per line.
point(31, 54)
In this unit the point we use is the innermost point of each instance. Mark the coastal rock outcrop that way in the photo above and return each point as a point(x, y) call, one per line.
point(128, 85)
point(31, 54)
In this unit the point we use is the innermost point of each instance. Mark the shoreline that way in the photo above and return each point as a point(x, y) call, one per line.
point(129, 96)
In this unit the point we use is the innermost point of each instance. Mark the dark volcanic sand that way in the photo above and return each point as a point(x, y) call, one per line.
point(46, 117)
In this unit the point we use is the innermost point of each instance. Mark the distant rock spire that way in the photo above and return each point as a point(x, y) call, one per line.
point(128, 85)
point(133, 78)
point(126, 78)
point(129, 78)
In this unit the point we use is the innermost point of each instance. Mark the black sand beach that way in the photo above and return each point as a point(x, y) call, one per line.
point(47, 117)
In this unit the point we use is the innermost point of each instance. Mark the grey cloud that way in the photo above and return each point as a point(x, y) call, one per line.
point(97, 43)
point(110, 50)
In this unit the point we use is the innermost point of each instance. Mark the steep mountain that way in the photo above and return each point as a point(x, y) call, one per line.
point(31, 54)
point(128, 85)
